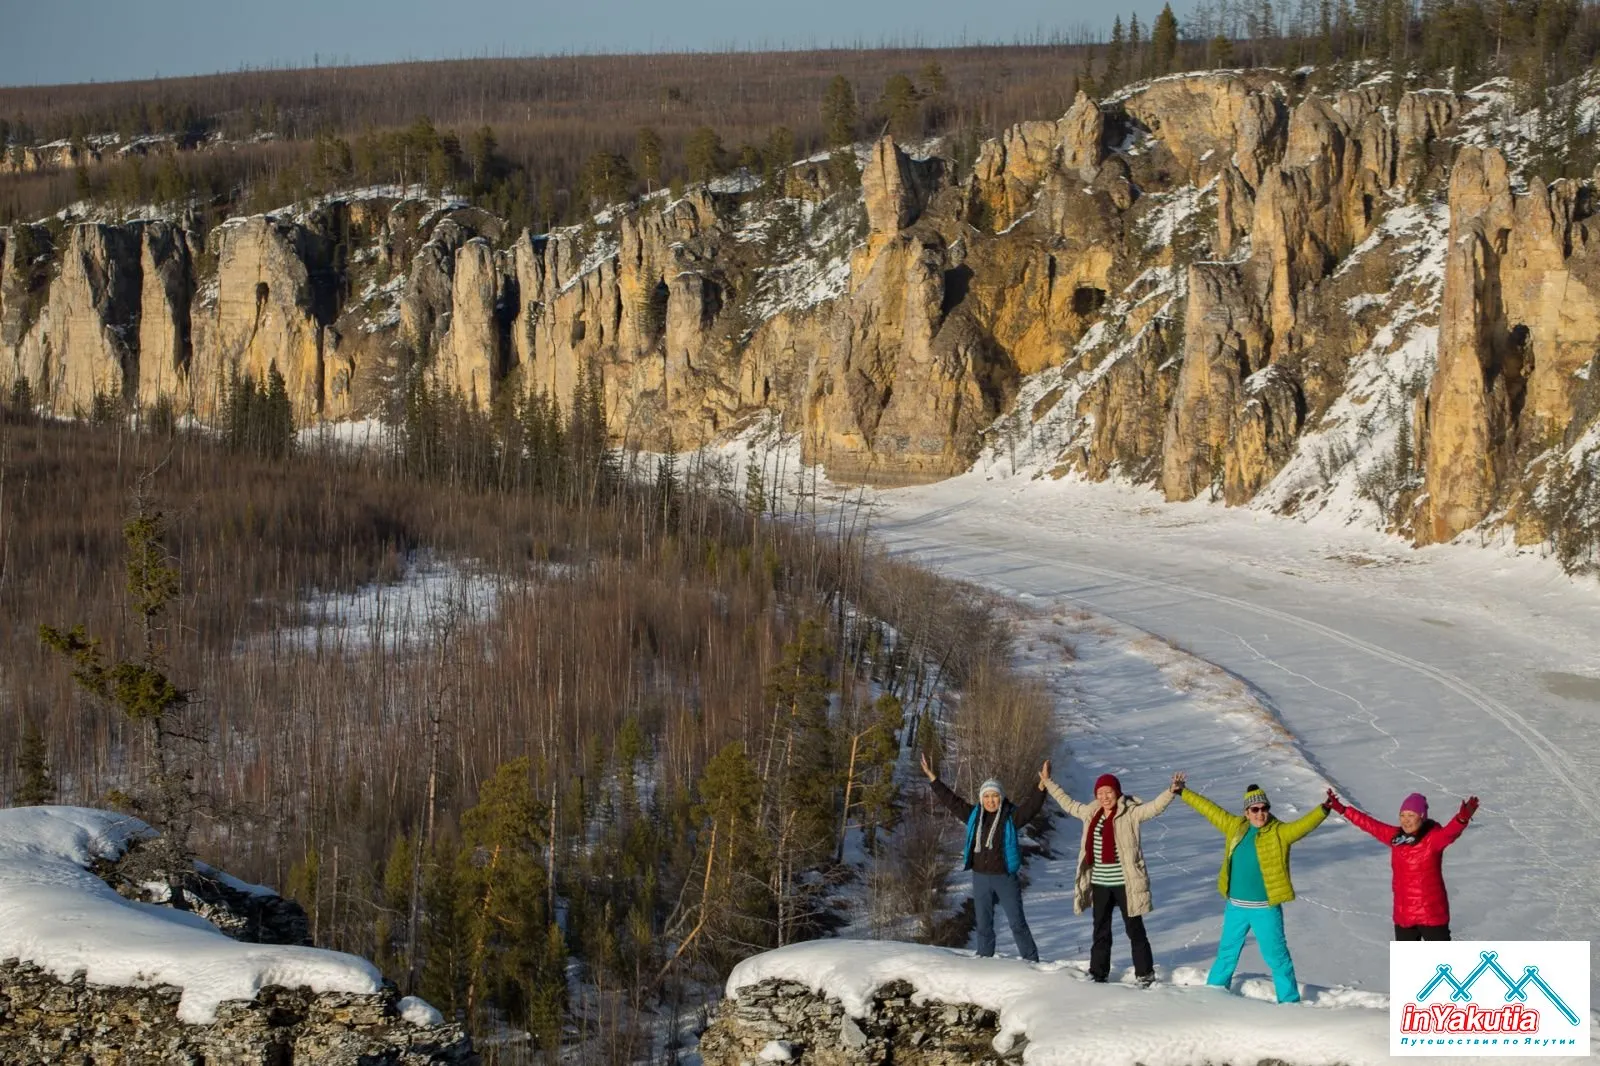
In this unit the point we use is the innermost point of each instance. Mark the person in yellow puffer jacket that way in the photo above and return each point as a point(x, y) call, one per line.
point(1254, 880)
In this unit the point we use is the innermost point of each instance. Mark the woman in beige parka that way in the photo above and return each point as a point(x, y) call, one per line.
point(1111, 872)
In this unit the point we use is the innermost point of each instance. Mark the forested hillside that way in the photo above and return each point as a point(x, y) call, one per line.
point(552, 744)
point(540, 140)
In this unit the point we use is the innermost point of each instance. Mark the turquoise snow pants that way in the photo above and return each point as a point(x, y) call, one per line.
point(1267, 924)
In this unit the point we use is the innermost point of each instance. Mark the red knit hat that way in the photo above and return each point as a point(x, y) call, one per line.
point(1108, 779)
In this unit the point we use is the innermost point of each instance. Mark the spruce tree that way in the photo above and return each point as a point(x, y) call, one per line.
point(140, 688)
point(667, 483)
point(1136, 57)
point(1114, 57)
point(443, 937)
point(839, 115)
point(501, 885)
point(703, 154)
point(35, 785)
point(755, 491)
point(899, 105)
point(648, 145)
point(1164, 41)
point(733, 860)
point(390, 929)
point(277, 417)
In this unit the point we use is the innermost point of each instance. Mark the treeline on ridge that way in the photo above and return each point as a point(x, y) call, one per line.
point(538, 140)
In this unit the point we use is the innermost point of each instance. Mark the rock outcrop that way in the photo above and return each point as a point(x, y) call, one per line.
point(45, 1021)
point(49, 1014)
point(1208, 120)
point(94, 314)
point(166, 344)
point(1191, 259)
point(1520, 319)
point(274, 298)
point(815, 1030)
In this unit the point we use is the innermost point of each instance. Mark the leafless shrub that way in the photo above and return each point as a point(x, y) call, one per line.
point(1004, 726)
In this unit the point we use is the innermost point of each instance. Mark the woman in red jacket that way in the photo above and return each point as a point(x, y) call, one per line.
point(1416, 855)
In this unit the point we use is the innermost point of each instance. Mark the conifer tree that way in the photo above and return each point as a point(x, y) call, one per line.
point(390, 927)
point(443, 941)
point(778, 151)
point(839, 115)
point(1114, 57)
point(501, 884)
point(648, 145)
point(1221, 50)
point(35, 784)
point(140, 688)
point(806, 778)
point(1136, 57)
point(734, 908)
point(667, 487)
point(1164, 41)
point(481, 158)
point(703, 154)
point(755, 491)
point(607, 177)
point(899, 104)
point(22, 400)
point(277, 416)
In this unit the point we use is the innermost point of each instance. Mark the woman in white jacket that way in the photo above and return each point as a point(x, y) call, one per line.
point(1111, 872)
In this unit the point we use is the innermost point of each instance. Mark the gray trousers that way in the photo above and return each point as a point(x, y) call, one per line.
point(988, 889)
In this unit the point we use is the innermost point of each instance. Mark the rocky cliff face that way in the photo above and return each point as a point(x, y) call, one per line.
point(1219, 283)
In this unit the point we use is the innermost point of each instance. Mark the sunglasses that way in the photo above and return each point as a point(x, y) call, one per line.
point(1260, 808)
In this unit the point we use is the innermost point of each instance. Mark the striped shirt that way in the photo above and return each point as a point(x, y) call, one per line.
point(1104, 873)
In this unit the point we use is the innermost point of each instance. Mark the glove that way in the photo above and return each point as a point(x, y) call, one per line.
point(1332, 803)
point(1468, 808)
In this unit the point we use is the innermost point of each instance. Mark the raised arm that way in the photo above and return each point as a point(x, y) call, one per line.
point(1377, 830)
point(1304, 824)
point(1078, 810)
point(1027, 810)
point(1451, 831)
point(1152, 808)
point(1222, 820)
point(945, 797)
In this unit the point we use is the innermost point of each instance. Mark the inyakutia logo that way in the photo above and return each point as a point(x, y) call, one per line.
point(1473, 1003)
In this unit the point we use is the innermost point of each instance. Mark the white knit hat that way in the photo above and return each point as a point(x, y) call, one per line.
point(991, 785)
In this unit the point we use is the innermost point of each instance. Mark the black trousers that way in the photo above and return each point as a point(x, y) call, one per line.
point(1107, 897)
point(1422, 932)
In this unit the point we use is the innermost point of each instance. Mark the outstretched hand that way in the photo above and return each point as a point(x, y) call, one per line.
point(1044, 774)
point(1177, 783)
point(1469, 807)
point(1332, 803)
point(928, 770)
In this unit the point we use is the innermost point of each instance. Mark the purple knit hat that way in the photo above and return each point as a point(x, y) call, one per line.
point(1416, 803)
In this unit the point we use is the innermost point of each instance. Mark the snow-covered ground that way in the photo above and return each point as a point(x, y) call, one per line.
point(59, 916)
point(1068, 1021)
point(1243, 647)
point(1341, 657)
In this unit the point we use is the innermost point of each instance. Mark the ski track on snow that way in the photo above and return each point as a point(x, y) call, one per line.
point(1548, 754)
point(1565, 890)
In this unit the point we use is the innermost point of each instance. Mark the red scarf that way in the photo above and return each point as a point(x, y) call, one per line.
point(1108, 840)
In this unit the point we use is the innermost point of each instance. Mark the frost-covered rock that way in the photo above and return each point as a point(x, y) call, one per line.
point(866, 1003)
point(87, 973)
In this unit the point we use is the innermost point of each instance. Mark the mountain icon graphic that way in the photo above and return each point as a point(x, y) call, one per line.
point(1515, 988)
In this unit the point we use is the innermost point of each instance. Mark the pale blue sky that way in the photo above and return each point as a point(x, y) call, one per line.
point(59, 41)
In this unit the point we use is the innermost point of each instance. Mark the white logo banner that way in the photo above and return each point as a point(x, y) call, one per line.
point(1489, 997)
